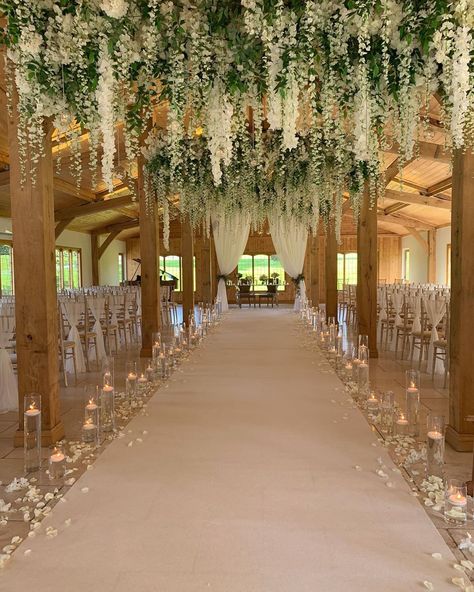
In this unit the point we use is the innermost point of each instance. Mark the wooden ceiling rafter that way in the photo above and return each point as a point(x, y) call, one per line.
point(93, 207)
point(119, 225)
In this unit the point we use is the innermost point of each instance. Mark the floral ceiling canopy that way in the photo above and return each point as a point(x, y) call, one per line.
point(271, 103)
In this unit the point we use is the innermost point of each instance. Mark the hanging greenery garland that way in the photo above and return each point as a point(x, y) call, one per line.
point(351, 77)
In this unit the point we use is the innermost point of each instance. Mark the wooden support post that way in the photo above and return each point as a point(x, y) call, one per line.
point(214, 270)
point(206, 281)
point(367, 271)
point(460, 432)
point(36, 308)
point(150, 269)
point(313, 249)
point(60, 226)
point(187, 254)
point(112, 236)
point(331, 270)
point(95, 259)
point(432, 256)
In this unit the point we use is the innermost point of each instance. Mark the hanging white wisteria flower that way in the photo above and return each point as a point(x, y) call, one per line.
point(219, 130)
point(105, 101)
point(116, 9)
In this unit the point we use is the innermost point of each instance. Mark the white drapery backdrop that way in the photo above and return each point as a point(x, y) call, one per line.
point(231, 233)
point(290, 239)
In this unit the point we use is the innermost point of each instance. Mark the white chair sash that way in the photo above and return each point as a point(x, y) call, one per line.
point(96, 306)
point(73, 311)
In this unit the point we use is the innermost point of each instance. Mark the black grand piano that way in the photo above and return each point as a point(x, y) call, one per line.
point(166, 278)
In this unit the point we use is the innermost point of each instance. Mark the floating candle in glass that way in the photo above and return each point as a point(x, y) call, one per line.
point(363, 372)
point(435, 439)
point(32, 432)
point(57, 461)
point(107, 409)
point(142, 384)
point(455, 503)
point(387, 403)
point(372, 403)
point(402, 425)
point(108, 375)
point(90, 431)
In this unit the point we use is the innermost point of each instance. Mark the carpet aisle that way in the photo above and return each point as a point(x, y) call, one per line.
point(244, 482)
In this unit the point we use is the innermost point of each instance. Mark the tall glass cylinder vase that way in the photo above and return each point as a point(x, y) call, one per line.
point(363, 382)
point(32, 432)
point(435, 445)
point(131, 377)
point(107, 409)
point(413, 401)
point(108, 371)
point(387, 408)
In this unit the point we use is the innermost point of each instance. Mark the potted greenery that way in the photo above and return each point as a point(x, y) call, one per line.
point(275, 277)
point(263, 278)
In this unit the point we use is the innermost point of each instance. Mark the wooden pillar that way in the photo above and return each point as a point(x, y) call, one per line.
point(150, 265)
point(313, 249)
point(367, 271)
point(460, 432)
point(187, 254)
point(214, 270)
point(432, 256)
point(206, 279)
point(36, 309)
point(331, 270)
point(95, 259)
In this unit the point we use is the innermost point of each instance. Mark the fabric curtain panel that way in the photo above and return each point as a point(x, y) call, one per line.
point(231, 233)
point(290, 239)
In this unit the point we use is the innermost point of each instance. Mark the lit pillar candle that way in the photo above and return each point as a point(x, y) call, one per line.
point(413, 400)
point(57, 462)
point(402, 425)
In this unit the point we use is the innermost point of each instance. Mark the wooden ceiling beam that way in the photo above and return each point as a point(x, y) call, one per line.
point(394, 208)
point(404, 221)
point(417, 199)
point(420, 188)
point(419, 238)
point(440, 186)
point(427, 150)
point(60, 226)
point(113, 235)
point(93, 208)
point(119, 226)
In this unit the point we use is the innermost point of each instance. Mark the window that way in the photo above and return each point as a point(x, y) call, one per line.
point(6, 269)
point(448, 264)
point(173, 264)
point(121, 268)
point(406, 265)
point(346, 269)
point(68, 268)
point(256, 266)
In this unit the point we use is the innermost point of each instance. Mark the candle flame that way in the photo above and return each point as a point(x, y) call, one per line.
point(412, 384)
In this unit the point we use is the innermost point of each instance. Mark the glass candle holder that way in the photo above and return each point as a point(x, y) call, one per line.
point(347, 366)
point(387, 403)
point(108, 371)
point(401, 424)
point(163, 366)
point(363, 378)
point(372, 403)
point(150, 373)
point(142, 384)
point(57, 461)
point(413, 400)
point(435, 439)
point(363, 341)
point(131, 375)
point(156, 339)
point(32, 432)
point(455, 502)
point(92, 404)
point(107, 409)
point(90, 430)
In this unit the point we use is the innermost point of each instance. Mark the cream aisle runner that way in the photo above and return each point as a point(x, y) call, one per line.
point(243, 483)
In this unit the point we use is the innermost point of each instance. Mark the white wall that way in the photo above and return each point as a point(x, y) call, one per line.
point(418, 258)
point(443, 239)
point(108, 264)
